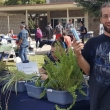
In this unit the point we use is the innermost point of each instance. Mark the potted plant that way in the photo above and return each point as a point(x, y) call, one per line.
point(35, 89)
point(16, 81)
point(64, 79)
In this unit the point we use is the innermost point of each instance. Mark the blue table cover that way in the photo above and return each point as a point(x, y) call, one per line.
point(22, 101)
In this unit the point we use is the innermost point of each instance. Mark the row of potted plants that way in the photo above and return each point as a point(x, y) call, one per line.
point(64, 82)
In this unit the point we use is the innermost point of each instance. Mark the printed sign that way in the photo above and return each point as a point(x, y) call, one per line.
point(28, 68)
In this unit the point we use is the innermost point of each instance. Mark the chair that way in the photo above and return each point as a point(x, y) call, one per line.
point(8, 51)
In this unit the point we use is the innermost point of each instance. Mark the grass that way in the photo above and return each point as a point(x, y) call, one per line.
point(39, 59)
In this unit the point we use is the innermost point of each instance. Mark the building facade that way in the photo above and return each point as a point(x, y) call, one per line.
point(53, 11)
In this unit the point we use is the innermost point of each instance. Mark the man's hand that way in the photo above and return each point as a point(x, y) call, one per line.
point(78, 46)
point(44, 76)
point(18, 47)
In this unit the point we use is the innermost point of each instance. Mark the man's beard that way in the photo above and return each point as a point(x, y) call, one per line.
point(106, 29)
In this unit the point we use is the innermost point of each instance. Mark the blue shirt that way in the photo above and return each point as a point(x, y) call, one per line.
point(24, 36)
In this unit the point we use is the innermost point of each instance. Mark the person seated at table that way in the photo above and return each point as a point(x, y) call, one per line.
point(52, 57)
point(10, 34)
point(61, 39)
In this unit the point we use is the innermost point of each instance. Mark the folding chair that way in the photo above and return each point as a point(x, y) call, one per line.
point(9, 50)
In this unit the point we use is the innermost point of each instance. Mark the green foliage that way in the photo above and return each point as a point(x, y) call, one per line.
point(1, 2)
point(3, 66)
point(18, 2)
point(31, 24)
point(13, 78)
point(91, 6)
point(65, 75)
point(37, 1)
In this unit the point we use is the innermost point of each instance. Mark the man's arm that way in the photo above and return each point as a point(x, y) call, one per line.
point(84, 65)
point(43, 74)
point(42, 71)
point(19, 40)
point(83, 30)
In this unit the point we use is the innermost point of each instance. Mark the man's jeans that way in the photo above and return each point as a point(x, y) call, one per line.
point(23, 54)
point(1, 55)
point(38, 39)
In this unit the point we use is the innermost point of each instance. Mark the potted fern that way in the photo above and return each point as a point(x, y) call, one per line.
point(64, 79)
point(35, 89)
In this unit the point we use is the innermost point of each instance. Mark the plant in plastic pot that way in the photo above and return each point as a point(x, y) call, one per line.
point(15, 82)
point(35, 89)
point(64, 75)
point(14, 78)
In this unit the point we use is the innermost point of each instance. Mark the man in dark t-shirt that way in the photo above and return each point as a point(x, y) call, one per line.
point(83, 31)
point(94, 59)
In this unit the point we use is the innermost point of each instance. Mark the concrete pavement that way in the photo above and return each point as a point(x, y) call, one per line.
point(44, 50)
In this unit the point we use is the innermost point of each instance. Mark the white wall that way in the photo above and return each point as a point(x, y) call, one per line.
point(47, 1)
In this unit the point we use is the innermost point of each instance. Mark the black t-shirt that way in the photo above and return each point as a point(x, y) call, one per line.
point(51, 59)
point(96, 52)
point(82, 28)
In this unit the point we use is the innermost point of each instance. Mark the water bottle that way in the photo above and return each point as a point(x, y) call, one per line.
point(75, 34)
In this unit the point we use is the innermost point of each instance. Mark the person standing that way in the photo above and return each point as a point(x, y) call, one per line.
point(38, 35)
point(58, 30)
point(94, 59)
point(68, 27)
point(23, 44)
point(49, 31)
point(83, 31)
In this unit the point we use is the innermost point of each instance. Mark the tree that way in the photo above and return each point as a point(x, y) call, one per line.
point(1, 2)
point(91, 6)
point(17, 2)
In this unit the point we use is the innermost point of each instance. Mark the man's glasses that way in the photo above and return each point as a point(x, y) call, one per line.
point(105, 16)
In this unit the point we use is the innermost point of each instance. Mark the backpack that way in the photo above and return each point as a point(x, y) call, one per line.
point(59, 28)
point(39, 33)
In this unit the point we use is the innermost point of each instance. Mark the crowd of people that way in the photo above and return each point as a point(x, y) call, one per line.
point(93, 57)
point(62, 34)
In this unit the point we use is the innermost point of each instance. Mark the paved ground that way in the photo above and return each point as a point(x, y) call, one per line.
point(43, 50)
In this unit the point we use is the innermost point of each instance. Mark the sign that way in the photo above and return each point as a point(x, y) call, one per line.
point(28, 68)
